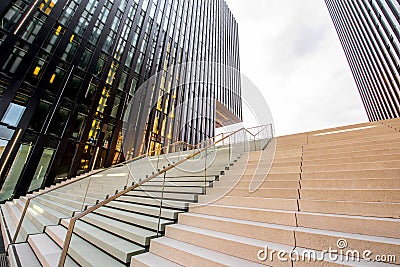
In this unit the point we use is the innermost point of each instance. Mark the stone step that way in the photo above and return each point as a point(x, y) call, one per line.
point(286, 160)
point(20, 203)
point(60, 207)
point(361, 143)
point(348, 160)
point(258, 215)
point(353, 140)
point(66, 201)
point(170, 183)
point(244, 183)
point(8, 228)
point(150, 259)
point(251, 202)
point(357, 147)
point(44, 214)
point(72, 199)
point(130, 232)
point(14, 211)
point(283, 154)
point(372, 226)
point(81, 251)
point(286, 164)
point(263, 161)
point(260, 192)
point(269, 177)
point(167, 196)
point(172, 189)
point(352, 166)
point(371, 209)
point(47, 251)
point(275, 169)
point(391, 183)
point(27, 227)
point(22, 255)
point(143, 209)
point(309, 156)
point(118, 247)
point(180, 205)
point(82, 194)
point(246, 228)
point(358, 174)
point(233, 245)
point(189, 255)
point(186, 178)
point(317, 239)
point(134, 218)
point(358, 195)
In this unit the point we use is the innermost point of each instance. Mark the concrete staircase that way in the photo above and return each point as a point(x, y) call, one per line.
point(336, 190)
point(112, 234)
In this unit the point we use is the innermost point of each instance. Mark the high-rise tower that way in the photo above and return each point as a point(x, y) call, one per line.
point(69, 69)
point(369, 31)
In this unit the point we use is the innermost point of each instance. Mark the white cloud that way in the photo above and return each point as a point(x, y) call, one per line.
point(289, 48)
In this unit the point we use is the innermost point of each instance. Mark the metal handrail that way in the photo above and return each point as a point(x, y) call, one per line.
point(27, 202)
point(106, 201)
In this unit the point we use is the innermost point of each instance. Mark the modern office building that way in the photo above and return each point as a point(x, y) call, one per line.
point(370, 35)
point(70, 69)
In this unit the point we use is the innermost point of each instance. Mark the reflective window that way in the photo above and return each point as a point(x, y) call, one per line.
point(59, 122)
point(15, 58)
point(7, 191)
point(39, 116)
point(13, 114)
point(32, 30)
point(13, 14)
point(41, 169)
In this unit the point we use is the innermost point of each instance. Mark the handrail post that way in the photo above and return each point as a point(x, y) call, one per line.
point(21, 220)
point(230, 152)
point(161, 203)
point(244, 141)
point(205, 173)
point(67, 242)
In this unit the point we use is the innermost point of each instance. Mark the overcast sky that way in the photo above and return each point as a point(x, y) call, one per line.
point(290, 50)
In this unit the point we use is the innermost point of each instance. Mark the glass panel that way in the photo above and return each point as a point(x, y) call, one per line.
point(56, 80)
point(7, 191)
point(13, 15)
point(87, 55)
point(78, 127)
point(59, 121)
point(54, 39)
point(6, 133)
point(14, 59)
point(47, 5)
point(3, 144)
point(72, 88)
point(41, 169)
point(40, 116)
point(115, 107)
point(13, 114)
point(32, 30)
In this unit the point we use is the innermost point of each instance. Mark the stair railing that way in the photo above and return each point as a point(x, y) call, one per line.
point(179, 146)
point(202, 150)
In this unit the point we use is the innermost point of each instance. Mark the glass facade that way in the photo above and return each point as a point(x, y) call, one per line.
point(370, 35)
point(70, 69)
